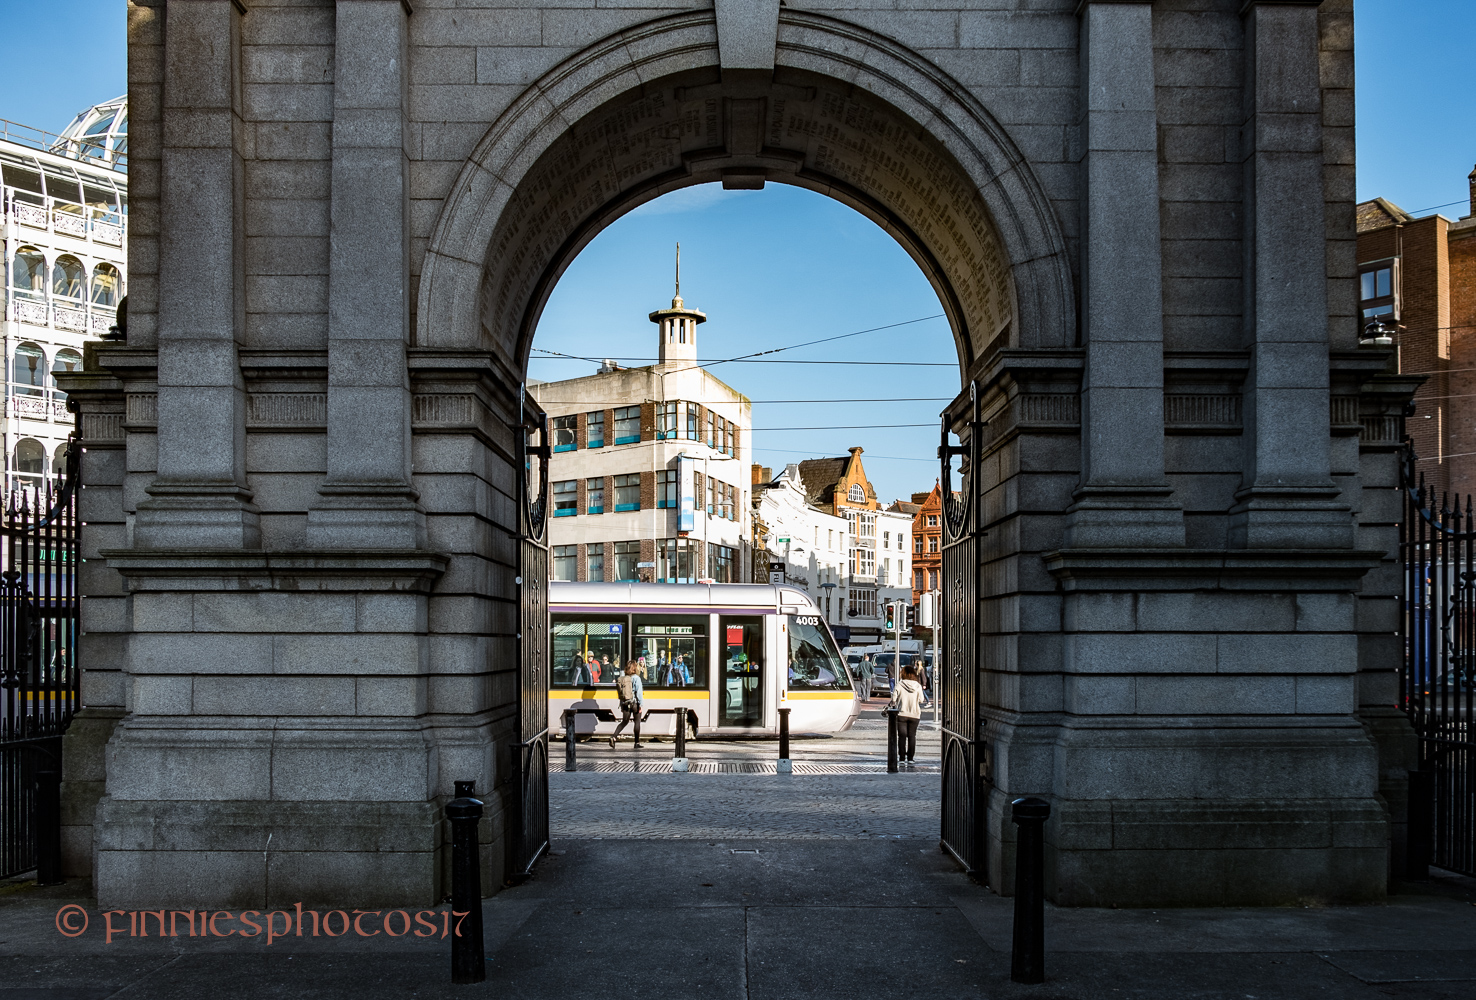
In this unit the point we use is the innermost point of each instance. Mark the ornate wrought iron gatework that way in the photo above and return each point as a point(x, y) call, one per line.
point(962, 751)
point(38, 669)
point(528, 826)
point(1438, 685)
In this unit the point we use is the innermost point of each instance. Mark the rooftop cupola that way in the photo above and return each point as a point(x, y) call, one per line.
point(677, 327)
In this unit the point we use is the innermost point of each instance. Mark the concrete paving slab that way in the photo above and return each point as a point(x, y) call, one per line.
point(1450, 966)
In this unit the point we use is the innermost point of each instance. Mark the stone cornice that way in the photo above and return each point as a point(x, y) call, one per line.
point(400, 570)
point(1210, 569)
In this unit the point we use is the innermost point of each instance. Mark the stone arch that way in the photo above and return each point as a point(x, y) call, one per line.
point(847, 112)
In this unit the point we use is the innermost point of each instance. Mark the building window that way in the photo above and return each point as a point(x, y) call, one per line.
point(868, 526)
point(596, 554)
point(886, 539)
point(721, 563)
point(565, 559)
point(666, 488)
point(1378, 290)
point(563, 432)
point(107, 286)
point(932, 520)
point(856, 494)
point(628, 492)
point(932, 543)
point(666, 421)
point(694, 421)
point(28, 274)
point(28, 371)
point(866, 562)
point(830, 535)
point(67, 360)
point(917, 543)
point(627, 424)
point(627, 554)
point(68, 279)
point(883, 577)
point(594, 429)
point(566, 498)
point(863, 603)
point(675, 558)
point(918, 579)
point(594, 496)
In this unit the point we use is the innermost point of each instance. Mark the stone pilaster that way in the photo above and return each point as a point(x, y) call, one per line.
point(1124, 498)
point(1288, 498)
point(199, 497)
point(367, 499)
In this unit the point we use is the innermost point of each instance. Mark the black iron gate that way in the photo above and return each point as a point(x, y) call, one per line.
point(38, 670)
point(1438, 685)
point(528, 826)
point(962, 751)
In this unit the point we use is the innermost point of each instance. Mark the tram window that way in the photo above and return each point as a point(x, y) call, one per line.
point(814, 663)
point(671, 650)
point(578, 637)
point(742, 664)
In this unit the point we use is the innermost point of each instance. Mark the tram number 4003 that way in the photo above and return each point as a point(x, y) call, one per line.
point(806, 620)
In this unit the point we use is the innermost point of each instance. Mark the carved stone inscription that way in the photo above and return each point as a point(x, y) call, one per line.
point(815, 137)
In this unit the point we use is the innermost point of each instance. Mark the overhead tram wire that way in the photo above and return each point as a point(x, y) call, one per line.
point(759, 361)
point(840, 427)
point(759, 355)
point(756, 402)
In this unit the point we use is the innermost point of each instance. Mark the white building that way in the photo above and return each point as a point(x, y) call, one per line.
point(648, 479)
point(63, 211)
point(811, 544)
point(871, 560)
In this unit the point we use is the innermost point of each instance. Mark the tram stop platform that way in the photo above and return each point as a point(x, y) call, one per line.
point(757, 886)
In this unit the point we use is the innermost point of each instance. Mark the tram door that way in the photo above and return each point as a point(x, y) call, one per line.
point(527, 823)
point(740, 671)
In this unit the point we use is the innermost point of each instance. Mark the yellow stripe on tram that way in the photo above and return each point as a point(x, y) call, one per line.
point(821, 695)
point(607, 694)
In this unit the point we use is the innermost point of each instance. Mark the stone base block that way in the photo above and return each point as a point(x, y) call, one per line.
point(1190, 852)
point(273, 854)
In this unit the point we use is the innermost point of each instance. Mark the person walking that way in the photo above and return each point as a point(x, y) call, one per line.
point(907, 699)
point(628, 686)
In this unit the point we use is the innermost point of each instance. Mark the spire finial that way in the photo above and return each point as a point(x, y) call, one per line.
point(679, 271)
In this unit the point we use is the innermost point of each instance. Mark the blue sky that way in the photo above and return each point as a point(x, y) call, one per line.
point(783, 266)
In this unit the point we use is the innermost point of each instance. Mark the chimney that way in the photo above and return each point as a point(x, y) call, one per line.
point(1471, 179)
point(759, 474)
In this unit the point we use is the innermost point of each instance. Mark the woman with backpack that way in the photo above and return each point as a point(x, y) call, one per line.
point(628, 686)
point(907, 699)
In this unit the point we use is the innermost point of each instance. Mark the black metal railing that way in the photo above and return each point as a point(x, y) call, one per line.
point(1438, 547)
point(38, 668)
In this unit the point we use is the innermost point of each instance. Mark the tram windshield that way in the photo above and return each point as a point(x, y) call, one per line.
point(814, 662)
point(671, 650)
point(587, 652)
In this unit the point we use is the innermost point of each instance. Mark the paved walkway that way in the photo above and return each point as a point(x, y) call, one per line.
point(767, 887)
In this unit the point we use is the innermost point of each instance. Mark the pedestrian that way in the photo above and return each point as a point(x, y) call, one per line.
point(907, 699)
point(581, 672)
point(594, 669)
point(628, 686)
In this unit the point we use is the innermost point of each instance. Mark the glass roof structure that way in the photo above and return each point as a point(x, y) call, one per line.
point(100, 133)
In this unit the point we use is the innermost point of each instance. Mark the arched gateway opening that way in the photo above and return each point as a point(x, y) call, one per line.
point(315, 572)
point(845, 113)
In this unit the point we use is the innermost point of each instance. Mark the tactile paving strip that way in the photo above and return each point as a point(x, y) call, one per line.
point(744, 767)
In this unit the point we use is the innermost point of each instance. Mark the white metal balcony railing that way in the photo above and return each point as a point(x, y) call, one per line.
point(39, 407)
point(78, 317)
point(63, 217)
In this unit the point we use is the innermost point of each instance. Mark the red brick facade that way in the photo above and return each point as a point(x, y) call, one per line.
point(1437, 331)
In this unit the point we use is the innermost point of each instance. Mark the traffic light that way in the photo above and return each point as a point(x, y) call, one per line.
point(911, 616)
point(925, 610)
point(891, 616)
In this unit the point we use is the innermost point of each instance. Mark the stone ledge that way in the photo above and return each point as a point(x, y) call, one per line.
point(1263, 570)
point(397, 570)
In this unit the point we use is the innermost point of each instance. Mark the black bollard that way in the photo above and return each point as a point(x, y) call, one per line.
point(1419, 846)
point(892, 740)
point(1027, 963)
point(468, 955)
point(785, 765)
point(570, 763)
point(48, 820)
point(681, 733)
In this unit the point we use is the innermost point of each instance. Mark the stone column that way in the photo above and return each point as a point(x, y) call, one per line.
point(1287, 499)
point(198, 498)
point(1124, 498)
point(367, 500)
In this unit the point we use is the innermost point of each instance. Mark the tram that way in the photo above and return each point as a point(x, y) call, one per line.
point(733, 654)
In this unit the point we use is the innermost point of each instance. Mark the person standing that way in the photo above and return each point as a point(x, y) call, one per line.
point(628, 686)
point(907, 699)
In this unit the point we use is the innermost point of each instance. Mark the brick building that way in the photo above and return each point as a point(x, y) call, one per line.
point(1419, 275)
point(927, 540)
